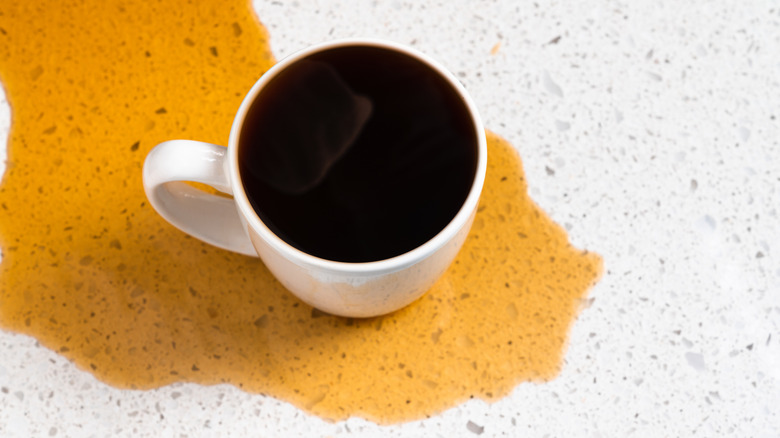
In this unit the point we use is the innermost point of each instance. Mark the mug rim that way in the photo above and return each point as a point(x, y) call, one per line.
point(395, 263)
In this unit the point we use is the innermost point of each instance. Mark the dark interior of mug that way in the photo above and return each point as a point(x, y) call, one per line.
point(357, 153)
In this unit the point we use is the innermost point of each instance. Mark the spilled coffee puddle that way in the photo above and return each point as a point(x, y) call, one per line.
point(91, 271)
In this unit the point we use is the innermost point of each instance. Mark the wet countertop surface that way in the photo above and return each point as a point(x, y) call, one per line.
point(648, 130)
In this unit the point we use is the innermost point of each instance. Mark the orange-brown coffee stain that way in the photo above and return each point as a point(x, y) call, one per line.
point(91, 271)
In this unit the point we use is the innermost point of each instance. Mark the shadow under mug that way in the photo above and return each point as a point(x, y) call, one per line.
point(353, 289)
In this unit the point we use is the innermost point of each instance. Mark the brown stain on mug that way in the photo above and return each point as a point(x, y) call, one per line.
point(91, 271)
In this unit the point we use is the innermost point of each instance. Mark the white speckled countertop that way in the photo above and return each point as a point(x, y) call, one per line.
point(649, 129)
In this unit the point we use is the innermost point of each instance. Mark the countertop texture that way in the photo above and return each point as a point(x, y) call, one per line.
point(648, 129)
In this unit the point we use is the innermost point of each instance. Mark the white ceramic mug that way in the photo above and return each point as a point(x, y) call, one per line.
point(348, 289)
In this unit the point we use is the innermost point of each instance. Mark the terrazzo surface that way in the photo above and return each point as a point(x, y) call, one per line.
point(649, 130)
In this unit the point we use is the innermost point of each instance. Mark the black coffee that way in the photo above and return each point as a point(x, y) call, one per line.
point(357, 154)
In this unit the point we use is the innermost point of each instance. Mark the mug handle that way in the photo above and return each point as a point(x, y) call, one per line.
point(211, 218)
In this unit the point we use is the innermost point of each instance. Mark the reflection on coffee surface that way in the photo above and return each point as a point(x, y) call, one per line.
point(357, 154)
point(92, 272)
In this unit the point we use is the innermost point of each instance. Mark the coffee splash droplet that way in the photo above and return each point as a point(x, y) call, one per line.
point(162, 307)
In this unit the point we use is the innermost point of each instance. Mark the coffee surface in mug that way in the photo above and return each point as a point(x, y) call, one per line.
point(357, 154)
